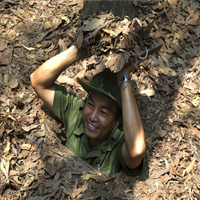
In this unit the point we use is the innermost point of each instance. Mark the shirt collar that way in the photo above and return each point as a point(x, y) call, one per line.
point(109, 143)
point(80, 131)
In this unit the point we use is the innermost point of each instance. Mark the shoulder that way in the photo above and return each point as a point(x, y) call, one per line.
point(66, 104)
point(61, 94)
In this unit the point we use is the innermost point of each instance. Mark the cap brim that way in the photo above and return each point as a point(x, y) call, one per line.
point(87, 87)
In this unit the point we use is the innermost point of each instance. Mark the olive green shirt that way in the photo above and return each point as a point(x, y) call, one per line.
point(106, 157)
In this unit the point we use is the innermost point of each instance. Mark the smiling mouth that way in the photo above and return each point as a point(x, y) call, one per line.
point(91, 127)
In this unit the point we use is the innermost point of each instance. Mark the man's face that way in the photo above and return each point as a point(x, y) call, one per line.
point(100, 117)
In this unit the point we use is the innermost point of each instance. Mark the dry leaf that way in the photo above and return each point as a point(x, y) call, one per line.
point(62, 45)
point(47, 25)
point(68, 80)
point(79, 39)
point(195, 131)
point(28, 182)
point(15, 12)
point(165, 178)
point(197, 31)
point(144, 33)
point(162, 132)
point(118, 190)
point(93, 24)
point(19, 103)
point(79, 190)
point(4, 99)
point(195, 101)
point(51, 169)
point(6, 56)
point(197, 195)
point(29, 48)
point(5, 165)
point(34, 148)
point(117, 62)
point(21, 11)
point(89, 176)
point(177, 36)
point(56, 22)
point(5, 80)
point(11, 35)
point(28, 128)
point(31, 2)
point(196, 179)
point(110, 32)
point(190, 167)
point(66, 19)
point(26, 146)
point(7, 148)
point(90, 35)
point(3, 45)
point(12, 118)
point(2, 128)
point(40, 134)
point(38, 45)
point(147, 92)
point(13, 84)
point(42, 36)
point(167, 71)
point(111, 62)
point(81, 73)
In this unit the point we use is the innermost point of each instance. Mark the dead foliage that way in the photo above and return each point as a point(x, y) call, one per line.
point(117, 42)
point(34, 163)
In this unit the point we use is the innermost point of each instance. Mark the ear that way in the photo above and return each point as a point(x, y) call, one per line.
point(119, 119)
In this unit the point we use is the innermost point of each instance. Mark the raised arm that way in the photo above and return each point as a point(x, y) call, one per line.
point(43, 79)
point(134, 147)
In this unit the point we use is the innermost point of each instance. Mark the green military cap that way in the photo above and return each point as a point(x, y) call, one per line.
point(105, 82)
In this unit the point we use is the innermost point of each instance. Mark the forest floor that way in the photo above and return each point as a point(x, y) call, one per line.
point(34, 163)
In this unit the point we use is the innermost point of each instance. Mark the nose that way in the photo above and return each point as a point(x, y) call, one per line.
point(94, 115)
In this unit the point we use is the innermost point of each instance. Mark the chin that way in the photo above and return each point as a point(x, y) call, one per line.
point(91, 135)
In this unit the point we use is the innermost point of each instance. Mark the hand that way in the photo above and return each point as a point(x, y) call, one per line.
point(126, 70)
point(81, 53)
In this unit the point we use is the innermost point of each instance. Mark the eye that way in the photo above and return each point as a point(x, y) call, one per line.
point(104, 113)
point(90, 104)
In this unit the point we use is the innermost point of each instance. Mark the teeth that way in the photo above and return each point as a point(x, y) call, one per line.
point(91, 126)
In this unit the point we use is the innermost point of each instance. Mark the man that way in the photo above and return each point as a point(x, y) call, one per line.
point(92, 126)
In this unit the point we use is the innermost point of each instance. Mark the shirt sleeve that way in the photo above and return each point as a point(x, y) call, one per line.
point(67, 106)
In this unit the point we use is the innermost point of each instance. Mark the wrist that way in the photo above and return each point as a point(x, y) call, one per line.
point(73, 54)
point(123, 79)
point(122, 73)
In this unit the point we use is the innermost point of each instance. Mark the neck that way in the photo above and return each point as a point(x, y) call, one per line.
point(94, 143)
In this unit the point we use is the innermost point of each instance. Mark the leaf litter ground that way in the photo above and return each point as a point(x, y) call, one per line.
point(35, 164)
